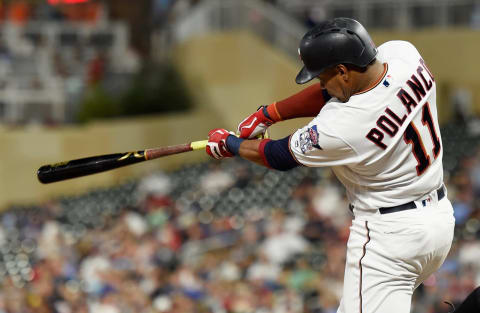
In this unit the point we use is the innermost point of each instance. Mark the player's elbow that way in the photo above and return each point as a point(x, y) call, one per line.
point(277, 155)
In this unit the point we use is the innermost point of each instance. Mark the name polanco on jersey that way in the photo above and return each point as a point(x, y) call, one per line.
point(390, 122)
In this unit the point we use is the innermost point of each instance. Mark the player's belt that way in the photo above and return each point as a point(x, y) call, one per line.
point(411, 205)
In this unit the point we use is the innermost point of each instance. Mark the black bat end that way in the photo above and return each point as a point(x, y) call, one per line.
point(87, 166)
point(44, 174)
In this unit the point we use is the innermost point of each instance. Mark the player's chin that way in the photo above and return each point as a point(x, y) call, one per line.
point(345, 97)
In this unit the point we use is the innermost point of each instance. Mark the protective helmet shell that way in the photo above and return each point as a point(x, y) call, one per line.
point(338, 41)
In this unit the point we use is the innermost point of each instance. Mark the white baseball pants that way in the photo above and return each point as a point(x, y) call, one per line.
point(390, 255)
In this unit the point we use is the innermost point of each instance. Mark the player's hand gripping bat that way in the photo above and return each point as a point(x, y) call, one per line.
point(101, 163)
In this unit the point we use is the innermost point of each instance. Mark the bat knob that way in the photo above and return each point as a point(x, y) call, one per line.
point(43, 174)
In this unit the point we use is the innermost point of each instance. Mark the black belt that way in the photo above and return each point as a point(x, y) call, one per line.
point(411, 205)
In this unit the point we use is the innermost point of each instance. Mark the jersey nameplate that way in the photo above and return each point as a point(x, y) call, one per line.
point(390, 122)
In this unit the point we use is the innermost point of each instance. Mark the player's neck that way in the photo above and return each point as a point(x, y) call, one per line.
point(370, 77)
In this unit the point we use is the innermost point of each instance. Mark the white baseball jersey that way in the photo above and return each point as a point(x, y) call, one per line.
point(384, 144)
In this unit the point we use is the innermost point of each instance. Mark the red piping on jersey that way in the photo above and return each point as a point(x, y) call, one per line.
point(375, 84)
point(360, 264)
point(261, 151)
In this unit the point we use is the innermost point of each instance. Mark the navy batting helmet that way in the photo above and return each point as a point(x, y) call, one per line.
point(338, 41)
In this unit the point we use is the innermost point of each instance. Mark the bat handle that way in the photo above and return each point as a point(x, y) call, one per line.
point(192, 146)
point(154, 153)
point(198, 145)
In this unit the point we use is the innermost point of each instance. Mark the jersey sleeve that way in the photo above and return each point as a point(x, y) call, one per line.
point(317, 145)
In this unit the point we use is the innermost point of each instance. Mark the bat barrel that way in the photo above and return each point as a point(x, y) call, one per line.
point(97, 164)
point(87, 166)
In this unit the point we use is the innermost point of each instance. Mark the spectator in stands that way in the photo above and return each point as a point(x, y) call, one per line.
point(97, 68)
point(19, 11)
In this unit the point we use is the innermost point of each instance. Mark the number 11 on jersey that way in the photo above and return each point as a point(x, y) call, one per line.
point(412, 136)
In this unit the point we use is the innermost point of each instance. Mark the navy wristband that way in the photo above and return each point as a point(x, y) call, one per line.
point(233, 144)
point(265, 112)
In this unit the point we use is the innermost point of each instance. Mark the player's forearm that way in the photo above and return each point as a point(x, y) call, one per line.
point(249, 150)
point(306, 103)
point(270, 153)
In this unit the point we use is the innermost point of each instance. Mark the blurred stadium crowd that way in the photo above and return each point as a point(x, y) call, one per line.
point(50, 55)
point(211, 237)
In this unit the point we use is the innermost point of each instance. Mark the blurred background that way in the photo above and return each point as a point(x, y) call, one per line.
point(184, 233)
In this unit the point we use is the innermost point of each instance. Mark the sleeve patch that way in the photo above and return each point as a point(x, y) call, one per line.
point(308, 140)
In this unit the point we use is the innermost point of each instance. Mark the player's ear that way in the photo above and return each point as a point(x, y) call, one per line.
point(342, 70)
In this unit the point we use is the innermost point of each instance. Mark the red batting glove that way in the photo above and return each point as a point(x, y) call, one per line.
point(254, 125)
point(217, 144)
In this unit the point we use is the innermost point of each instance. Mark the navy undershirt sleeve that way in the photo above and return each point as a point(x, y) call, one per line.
point(326, 96)
point(278, 156)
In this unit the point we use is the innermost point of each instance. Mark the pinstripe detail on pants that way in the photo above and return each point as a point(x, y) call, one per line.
point(360, 264)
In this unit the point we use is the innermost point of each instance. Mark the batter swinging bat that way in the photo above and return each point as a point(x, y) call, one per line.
point(101, 163)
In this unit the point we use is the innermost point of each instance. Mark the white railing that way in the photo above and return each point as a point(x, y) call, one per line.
point(284, 30)
point(31, 88)
point(263, 19)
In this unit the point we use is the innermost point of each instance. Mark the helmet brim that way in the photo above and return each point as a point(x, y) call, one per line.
point(304, 76)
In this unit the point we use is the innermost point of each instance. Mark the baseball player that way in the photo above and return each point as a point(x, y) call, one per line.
point(375, 124)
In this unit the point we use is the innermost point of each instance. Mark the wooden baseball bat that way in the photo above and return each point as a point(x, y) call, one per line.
point(101, 163)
